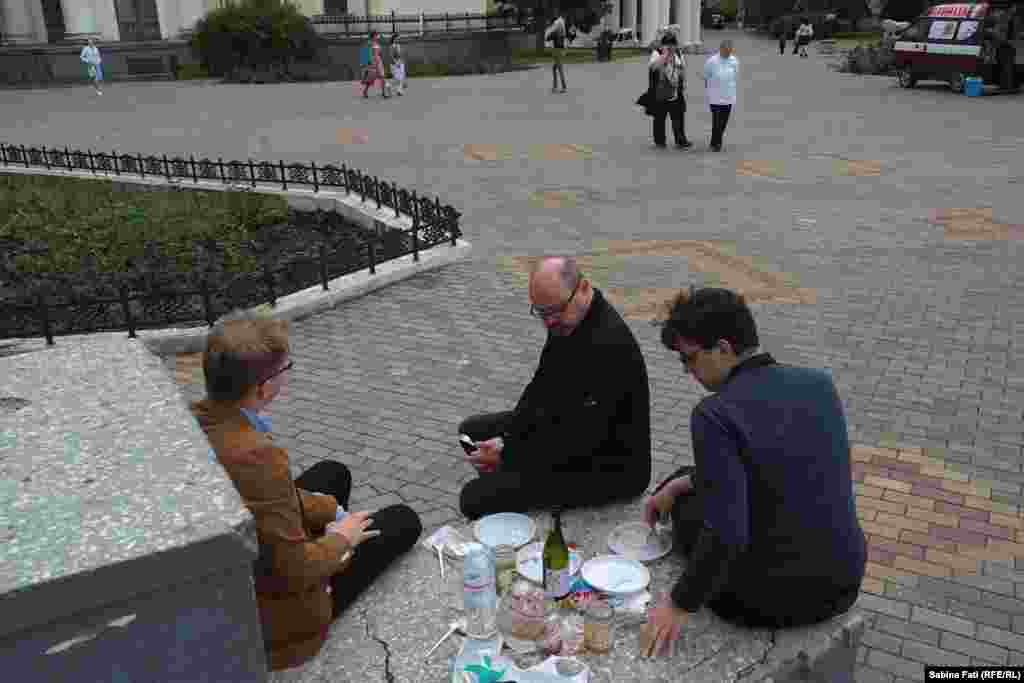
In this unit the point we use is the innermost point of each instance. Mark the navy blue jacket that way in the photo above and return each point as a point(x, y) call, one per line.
point(773, 477)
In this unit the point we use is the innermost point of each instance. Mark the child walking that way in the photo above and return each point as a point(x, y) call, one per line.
point(397, 66)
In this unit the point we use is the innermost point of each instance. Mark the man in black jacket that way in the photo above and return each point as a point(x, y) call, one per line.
point(580, 434)
point(767, 516)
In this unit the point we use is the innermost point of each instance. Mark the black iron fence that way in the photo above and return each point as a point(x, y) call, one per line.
point(131, 304)
point(419, 24)
point(249, 173)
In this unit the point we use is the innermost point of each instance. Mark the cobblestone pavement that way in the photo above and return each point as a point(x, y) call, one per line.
point(877, 229)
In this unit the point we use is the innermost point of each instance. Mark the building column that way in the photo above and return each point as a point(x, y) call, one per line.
point(628, 18)
point(655, 15)
point(21, 21)
point(692, 10)
point(90, 18)
point(177, 16)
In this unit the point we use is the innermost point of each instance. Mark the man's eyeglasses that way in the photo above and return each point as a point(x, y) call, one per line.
point(287, 367)
point(546, 312)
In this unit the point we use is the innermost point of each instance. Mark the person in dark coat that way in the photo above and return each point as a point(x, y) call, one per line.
point(581, 431)
point(667, 66)
point(767, 516)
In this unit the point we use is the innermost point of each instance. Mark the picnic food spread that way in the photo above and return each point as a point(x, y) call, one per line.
point(551, 602)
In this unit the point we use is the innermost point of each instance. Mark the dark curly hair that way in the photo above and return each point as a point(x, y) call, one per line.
point(706, 315)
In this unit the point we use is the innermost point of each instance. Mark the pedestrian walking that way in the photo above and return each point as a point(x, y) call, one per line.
point(557, 35)
point(667, 91)
point(91, 57)
point(721, 72)
point(803, 37)
point(397, 66)
point(375, 69)
point(782, 40)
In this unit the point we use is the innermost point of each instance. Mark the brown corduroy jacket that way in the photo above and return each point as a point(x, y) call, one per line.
point(296, 559)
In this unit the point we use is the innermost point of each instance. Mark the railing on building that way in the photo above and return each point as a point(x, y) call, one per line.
point(433, 224)
point(349, 25)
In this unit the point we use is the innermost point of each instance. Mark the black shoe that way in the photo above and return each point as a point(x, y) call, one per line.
point(686, 144)
point(660, 145)
point(716, 148)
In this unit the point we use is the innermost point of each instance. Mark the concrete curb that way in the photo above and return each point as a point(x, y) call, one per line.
point(312, 300)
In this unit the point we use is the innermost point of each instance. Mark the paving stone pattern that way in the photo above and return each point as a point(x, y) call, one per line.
point(842, 186)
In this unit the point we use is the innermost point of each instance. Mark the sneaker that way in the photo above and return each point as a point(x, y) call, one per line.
point(562, 90)
point(686, 144)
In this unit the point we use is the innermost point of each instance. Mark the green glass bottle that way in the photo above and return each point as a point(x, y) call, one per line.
point(557, 579)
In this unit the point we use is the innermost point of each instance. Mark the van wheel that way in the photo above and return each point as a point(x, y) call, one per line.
point(958, 82)
point(905, 78)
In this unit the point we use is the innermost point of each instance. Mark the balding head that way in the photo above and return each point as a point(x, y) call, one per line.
point(558, 289)
point(554, 275)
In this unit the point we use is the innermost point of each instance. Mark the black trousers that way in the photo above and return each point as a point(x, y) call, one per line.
point(719, 120)
point(677, 111)
point(399, 525)
point(557, 69)
point(509, 491)
point(776, 606)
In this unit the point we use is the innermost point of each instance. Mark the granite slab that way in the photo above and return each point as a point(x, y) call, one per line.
point(408, 608)
point(106, 488)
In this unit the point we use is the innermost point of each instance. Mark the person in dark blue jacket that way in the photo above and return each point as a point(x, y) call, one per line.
point(767, 515)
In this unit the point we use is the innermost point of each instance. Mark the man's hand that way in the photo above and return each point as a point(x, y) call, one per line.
point(354, 528)
point(661, 503)
point(488, 456)
point(664, 626)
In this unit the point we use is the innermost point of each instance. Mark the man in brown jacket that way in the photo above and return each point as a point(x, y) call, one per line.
point(314, 557)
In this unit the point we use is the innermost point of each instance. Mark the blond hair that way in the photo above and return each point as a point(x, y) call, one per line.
point(243, 350)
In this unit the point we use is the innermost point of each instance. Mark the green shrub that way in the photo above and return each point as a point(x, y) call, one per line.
point(265, 36)
point(187, 72)
point(65, 224)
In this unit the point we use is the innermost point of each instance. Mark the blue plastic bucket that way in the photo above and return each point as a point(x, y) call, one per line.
point(974, 87)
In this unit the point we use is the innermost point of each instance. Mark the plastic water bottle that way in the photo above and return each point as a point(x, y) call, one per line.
point(480, 598)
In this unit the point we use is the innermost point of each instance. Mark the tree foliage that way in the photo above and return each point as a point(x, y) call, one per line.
point(258, 34)
point(904, 10)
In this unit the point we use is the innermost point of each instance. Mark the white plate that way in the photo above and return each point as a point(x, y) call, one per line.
point(615, 575)
point(631, 540)
point(528, 561)
point(504, 528)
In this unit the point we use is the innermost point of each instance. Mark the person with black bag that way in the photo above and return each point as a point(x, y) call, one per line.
point(666, 93)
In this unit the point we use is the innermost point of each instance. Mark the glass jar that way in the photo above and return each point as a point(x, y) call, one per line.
point(599, 628)
point(521, 615)
point(505, 567)
point(504, 558)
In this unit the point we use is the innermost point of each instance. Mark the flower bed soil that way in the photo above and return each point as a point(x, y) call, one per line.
point(291, 250)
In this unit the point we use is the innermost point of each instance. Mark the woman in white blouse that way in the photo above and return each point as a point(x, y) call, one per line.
point(720, 74)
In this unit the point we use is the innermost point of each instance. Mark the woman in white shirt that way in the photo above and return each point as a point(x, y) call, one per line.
point(720, 74)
